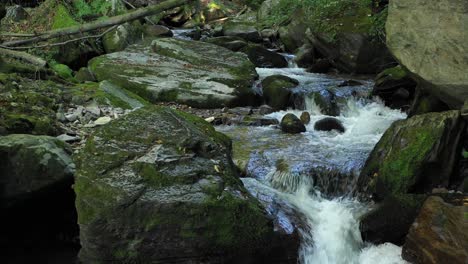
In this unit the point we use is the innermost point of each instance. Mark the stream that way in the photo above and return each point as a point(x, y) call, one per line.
point(314, 174)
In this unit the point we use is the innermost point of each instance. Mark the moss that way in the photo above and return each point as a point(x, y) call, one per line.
point(207, 128)
point(398, 170)
point(63, 18)
point(328, 18)
point(397, 73)
point(404, 153)
point(63, 71)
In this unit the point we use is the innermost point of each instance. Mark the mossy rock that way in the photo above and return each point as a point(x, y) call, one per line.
point(291, 124)
point(31, 165)
point(158, 172)
point(414, 155)
point(277, 90)
point(28, 106)
point(195, 73)
point(105, 93)
point(123, 36)
point(244, 27)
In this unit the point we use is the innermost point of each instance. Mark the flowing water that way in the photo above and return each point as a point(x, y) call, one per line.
point(313, 174)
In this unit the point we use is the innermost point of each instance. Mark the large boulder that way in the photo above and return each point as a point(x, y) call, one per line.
point(36, 198)
point(158, 185)
point(277, 90)
point(198, 74)
point(417, 36)
point(439, 234)
point(414, 155)
point(31, 165)
point(292, 35)
point(244, 27)
point(352, 52)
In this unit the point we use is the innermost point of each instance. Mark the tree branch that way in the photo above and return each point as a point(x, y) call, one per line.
point(112, 21)
point(24, 56)
point(48, 45)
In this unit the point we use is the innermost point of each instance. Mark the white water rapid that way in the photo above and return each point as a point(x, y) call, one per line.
point(331, 233)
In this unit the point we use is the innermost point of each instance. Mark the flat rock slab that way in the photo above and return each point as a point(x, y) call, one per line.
point(195, 73)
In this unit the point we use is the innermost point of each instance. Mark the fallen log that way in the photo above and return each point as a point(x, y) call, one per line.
point(112, 21)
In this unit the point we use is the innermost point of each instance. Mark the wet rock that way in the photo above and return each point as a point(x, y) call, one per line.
point(414, 155)
point(329, 124)
point(391, 219)
point(439, 234)
point(232, 43)
point(16, 13)
point(326, 101)
point(305, 56)
point(173, 179)
point(181, 71)
point(264, 58)
point(320, 66)
point(388, 87)
point(445, 58)
point(349, 83)
point(291, 124)
point(277, 90)
point(265, 110)
point(157, 31)
point(305, 118)
point(425, 102)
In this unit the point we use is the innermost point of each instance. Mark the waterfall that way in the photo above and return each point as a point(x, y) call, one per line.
point(315, 172)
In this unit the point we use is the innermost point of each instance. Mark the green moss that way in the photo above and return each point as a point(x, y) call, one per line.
point(328, 17)
point(397, 73)
point(63, 18)
point(220, 138)
point(63, 71)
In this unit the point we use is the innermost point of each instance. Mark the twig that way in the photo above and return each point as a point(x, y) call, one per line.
point(132, 6)
point(60, 43)
point(112, 21)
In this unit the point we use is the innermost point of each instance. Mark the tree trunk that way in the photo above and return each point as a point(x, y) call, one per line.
point(116, 20)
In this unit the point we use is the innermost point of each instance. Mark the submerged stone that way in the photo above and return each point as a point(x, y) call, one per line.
point(159, 184)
